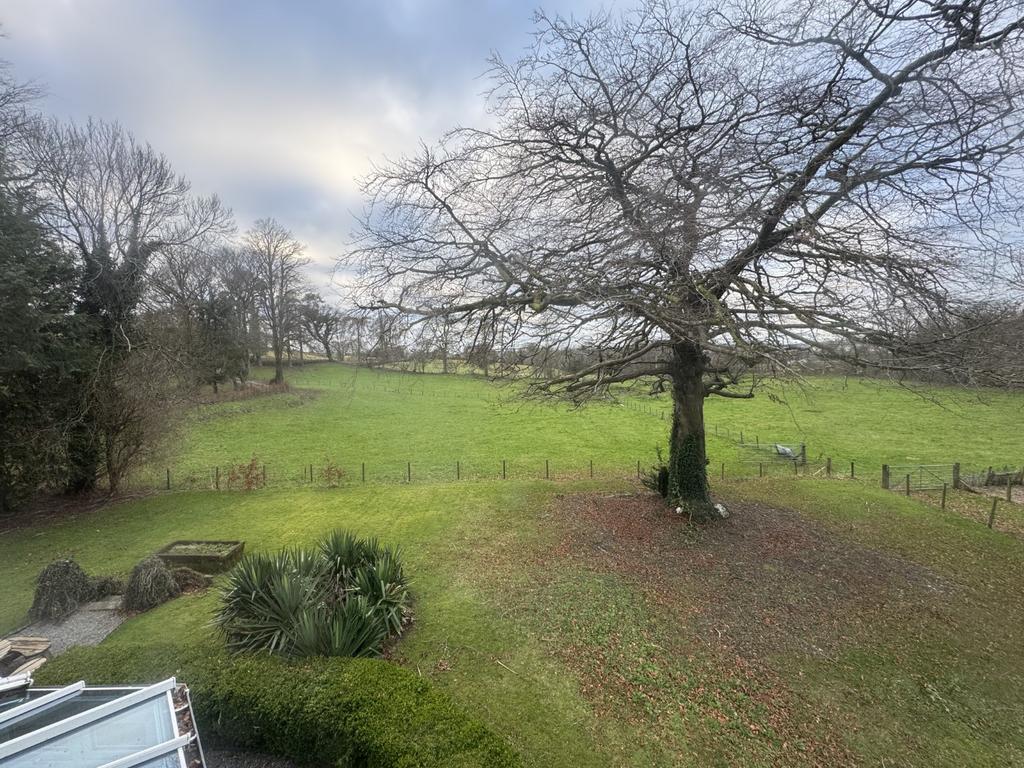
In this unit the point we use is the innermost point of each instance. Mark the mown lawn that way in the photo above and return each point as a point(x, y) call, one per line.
point(826, 623)
point(588, 638)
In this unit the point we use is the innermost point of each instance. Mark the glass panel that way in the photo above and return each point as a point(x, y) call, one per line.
point(86, 699)
point(123, 733)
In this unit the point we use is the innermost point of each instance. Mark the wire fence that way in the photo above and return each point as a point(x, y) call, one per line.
point(329, 473)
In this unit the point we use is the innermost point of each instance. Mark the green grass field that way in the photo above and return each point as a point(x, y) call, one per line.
point(389, 421)
point(826, 623)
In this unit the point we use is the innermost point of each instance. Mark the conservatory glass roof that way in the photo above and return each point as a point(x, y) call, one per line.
point(80, 727)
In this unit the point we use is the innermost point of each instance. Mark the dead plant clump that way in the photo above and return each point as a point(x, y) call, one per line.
point(63, 586)
point(150, 584)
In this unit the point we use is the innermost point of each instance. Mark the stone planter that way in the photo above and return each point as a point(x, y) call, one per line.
point(202, 556)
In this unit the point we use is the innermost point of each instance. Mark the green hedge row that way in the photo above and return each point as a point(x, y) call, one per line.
point(352, 713)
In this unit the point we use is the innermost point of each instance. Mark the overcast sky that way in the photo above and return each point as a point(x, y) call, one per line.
point(278, 107)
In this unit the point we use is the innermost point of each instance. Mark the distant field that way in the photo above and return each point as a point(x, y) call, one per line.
point(874, 422)
point(388, 420)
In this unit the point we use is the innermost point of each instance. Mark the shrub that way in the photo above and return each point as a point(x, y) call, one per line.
point(343, 712)
point(247, 476)
point(61, 587)
point(150, 584)
point(346, 597)
point(189, 579)
point(331, 474)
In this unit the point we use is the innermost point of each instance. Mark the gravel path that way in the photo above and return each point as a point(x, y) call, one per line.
point(87, 626)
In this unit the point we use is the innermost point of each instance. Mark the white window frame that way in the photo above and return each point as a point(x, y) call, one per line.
point(7, 716)
point(151, 753)
point(101, 712)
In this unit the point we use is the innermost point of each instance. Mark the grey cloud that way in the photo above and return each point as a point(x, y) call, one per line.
point(277, 106)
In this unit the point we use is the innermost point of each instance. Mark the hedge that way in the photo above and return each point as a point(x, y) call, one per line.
point(351, 713)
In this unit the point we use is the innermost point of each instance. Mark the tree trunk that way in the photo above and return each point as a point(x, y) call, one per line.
point(83, 456)
point(687, 466)
point(278, 363)
point(112, 466)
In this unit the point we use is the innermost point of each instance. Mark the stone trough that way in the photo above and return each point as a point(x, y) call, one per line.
point(202, 556)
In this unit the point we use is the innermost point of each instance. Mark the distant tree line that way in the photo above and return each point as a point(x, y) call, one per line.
point(122, 293)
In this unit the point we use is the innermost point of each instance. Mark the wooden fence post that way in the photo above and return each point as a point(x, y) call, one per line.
point(408, 471)
point(168, 478)
point(943, 505)
point(1009, 487)
point(547, 470)
point(310, 474)
point(458, 470)
point(885, 477)
point(956, 476)
point(723, 470)
point(852, 475)
point(503, 473)
point(760, 469)
point(216, 478)
point(828, 466)
point(638, 468)
point(363, 470)
point(908, 484)
point(992, 514)
point(591, 468)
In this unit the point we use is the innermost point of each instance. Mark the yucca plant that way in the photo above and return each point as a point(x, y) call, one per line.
point(353, 629)
point(384, 585)
point(345, 597)
point(264, 596)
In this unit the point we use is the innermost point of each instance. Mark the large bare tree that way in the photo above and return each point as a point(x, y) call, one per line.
point(277, 261)
point(690, 193)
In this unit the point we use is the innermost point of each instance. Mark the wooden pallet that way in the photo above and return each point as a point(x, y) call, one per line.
point(25, 651)
point(29, 646)
point(29, 666)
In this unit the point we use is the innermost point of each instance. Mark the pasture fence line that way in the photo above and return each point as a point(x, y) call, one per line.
point(328, 472)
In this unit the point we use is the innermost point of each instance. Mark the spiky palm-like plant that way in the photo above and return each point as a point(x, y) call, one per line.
point(345, 597)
